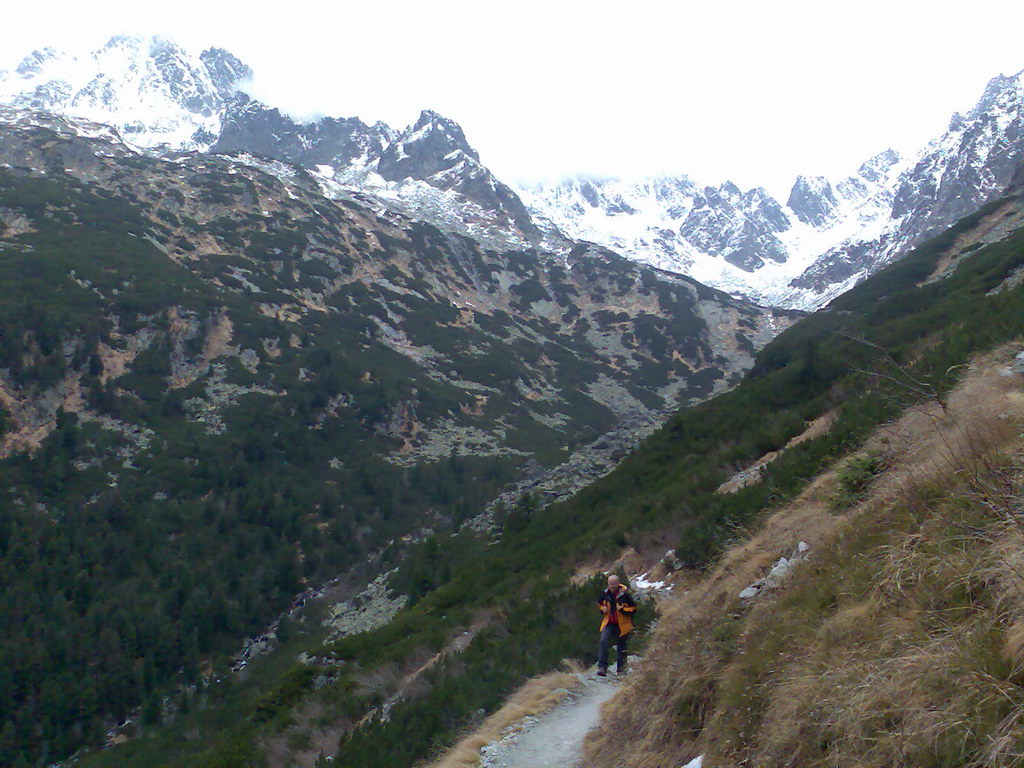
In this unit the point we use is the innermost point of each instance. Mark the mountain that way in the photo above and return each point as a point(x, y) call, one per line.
point(745, 242)
point(973, 162)
point(269, 237)
point(826, 237)
point(162, 97)
point(427, 171)
point(220, 388)
point(250, 126)
point(331, 393)
point(150, 89)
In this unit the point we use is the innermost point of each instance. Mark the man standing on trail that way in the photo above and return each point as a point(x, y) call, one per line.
point(618, 607)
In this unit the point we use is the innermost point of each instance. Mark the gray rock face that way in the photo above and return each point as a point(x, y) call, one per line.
point(374, 607)
point(250, 126)
point(971, 164)
point(812, 200)
point(765, 211)
point(839, 265)
point(431, 146)
point(779, 572)
point(226, 70)
point(184, 79)
point(875, 169)
point(742, 228)
point(435, 150)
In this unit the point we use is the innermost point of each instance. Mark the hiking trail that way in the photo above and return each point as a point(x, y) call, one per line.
point(553, 738)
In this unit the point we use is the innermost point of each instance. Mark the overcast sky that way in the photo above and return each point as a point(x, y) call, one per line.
point(756, 92)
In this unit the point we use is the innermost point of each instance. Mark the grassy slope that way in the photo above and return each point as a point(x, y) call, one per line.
point(900, 643)
point(897, 643)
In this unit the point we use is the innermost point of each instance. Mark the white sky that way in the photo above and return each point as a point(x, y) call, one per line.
point(756, 92)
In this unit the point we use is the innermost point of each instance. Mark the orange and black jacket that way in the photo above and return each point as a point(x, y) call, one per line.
point(621, 606)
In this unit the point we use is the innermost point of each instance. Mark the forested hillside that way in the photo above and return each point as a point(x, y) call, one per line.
point(220, 390)
point(896, 339)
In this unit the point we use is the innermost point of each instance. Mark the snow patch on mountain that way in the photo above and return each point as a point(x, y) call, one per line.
point(419, 200)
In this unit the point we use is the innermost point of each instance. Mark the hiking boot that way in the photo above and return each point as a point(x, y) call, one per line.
point(620, 671)
point(602, 672)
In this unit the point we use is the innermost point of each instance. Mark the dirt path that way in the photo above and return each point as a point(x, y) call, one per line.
point(555, 738)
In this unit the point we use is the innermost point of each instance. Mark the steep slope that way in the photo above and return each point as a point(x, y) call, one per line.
point(896, 641)
point(969, 165)
point(892, 637)
point(252, 127)
point(427, 171)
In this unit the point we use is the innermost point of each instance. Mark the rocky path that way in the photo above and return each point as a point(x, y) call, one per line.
point(555, 738)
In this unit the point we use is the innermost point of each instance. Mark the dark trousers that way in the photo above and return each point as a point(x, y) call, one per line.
point(610, 634)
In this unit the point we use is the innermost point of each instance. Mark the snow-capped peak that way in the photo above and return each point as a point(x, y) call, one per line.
point(424, 149)
point(33, 63)
point(1003, 93)
point(432, 124)
point(149, 88)
point(432, 145)
point(829, 233)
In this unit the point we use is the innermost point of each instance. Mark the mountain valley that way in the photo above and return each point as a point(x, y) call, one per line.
point(317, 438)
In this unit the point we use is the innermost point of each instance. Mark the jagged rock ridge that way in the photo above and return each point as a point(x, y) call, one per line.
point(150, 89)
point(827, 236)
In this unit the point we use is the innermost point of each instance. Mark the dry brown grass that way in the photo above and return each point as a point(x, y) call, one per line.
point(857, 706)
point(681, 661)
point(536, 696)
point(902, 669)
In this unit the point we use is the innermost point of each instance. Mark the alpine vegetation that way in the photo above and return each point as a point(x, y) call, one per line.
point(321, 445)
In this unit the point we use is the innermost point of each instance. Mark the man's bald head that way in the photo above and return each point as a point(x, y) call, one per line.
point(613, 581)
